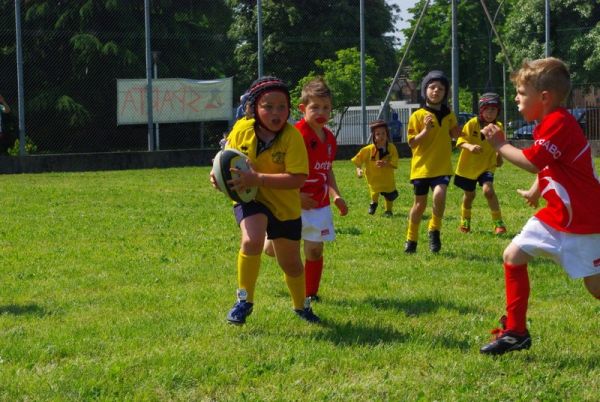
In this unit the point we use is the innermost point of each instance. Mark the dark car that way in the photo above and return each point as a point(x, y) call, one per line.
point(463, 118)
point(525, 132)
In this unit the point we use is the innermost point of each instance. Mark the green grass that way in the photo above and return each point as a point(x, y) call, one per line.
point(115, 286)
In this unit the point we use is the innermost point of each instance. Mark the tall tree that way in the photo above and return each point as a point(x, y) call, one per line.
point(296, 33)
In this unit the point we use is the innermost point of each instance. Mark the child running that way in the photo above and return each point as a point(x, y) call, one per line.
point(477, 163)
point(430, 133)
point(380, 160)
point(568, 228)
point(279, 166)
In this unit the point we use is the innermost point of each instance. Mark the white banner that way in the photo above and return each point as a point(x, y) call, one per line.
point(174, 100)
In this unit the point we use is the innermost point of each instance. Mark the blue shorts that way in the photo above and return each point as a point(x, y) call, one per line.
point(276, 229)
point(470, 184)
point(421, 186)
point(391, 195)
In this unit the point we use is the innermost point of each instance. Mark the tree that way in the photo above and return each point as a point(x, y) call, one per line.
point(574, 36)
point(296, 33)
point(343, 78)
point(432, 46)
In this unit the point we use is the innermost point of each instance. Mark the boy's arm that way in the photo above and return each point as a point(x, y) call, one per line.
point(514, 155)
point(334, 193)
point(532, 195)
point(455, 132)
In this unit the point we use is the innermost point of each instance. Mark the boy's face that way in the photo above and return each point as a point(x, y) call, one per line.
point(435, 92)
point(317, 111)
point(489, 114)
point(273, 111)
point(529, 102)
point(379, 137)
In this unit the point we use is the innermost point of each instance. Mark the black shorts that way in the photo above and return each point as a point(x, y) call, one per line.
point(390, 196)
point(276, 229)
point(422, 186)
point(471, 184)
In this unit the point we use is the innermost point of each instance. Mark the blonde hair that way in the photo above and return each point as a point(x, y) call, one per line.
point(549, 74)
point(317, 88)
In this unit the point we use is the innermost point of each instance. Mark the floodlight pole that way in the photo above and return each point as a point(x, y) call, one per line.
point(259, 45)
point(455, 104)
point(155, 55)
point(363, 101)
point(20, 82)
point(547, 23)
point(149, 76)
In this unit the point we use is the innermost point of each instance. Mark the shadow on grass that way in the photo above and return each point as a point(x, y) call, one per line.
point(354, 231)
point(413, 307)
point(357, 334)
point(26, 309)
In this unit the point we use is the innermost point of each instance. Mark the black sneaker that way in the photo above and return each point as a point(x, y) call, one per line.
point(388, 214)
point(306, 313)
point(372, 208)
point(507, 341)
point(314, 298)
point(410, 247)
point(435, 243)
point(241, 309)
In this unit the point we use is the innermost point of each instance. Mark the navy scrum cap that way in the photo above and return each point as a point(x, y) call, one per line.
point(435, 75)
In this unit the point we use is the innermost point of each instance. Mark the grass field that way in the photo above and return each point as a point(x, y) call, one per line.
point(115, 286)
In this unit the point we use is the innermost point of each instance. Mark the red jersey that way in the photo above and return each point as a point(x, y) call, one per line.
point(320, 161)
point(567, 177)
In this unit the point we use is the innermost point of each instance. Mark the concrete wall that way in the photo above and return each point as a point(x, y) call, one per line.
point(159, 159)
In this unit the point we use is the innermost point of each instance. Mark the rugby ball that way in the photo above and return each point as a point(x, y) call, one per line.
point(222, 164)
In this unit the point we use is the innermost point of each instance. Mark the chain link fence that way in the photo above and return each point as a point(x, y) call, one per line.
point(70, 77)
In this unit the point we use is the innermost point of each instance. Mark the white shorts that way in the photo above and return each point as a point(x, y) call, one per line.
point(317, 224)
point(578, 254)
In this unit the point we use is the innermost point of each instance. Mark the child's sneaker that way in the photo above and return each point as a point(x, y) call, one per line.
point(435, 243)
point(410, 247)
point(306, 313)
point(372, 208)
point(465, 225)
point(388, 214)
point(241, 309)
point(506, 341)
point(499, 227)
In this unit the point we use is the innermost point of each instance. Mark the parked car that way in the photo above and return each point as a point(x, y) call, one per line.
point(525, 132)
point(463, 118)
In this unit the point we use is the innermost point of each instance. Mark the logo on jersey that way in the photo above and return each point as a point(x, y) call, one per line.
point(278, 157)
point(550, 147)
point(322, 165)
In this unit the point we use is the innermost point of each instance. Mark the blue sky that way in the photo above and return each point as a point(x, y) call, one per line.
point(404, 6)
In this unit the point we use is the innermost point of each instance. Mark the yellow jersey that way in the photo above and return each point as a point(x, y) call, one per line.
point(471, 165)
point(286, 154)
point(379, 179)
point(432, 156)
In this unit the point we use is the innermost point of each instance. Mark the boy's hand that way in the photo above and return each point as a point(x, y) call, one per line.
point(494, 135)
point(531, 198)
point(307, 202)
point(341, 205)
point(476, 149)
point(245, 179)
point(359, 173)
point(213, 181)
point(381, 163)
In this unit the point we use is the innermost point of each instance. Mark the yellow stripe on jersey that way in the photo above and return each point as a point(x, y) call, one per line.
point(431, 157)
point(287, 154)
point(471, 165)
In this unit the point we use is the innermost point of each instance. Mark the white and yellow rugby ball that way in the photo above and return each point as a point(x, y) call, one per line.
point(222, 164)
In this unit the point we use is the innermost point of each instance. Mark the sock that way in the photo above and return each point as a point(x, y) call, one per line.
point(465, 213)
point(517, 295)
point(496, 216)
point(296, 286)
point(435, 223)
point(389, 205)
point(248, 266)
point(313, 271)
point(412, 233)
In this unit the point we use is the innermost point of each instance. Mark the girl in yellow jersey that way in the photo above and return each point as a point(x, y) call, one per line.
point(477, 163)
point(380, 161)
point(430, 131)
point(279, 166)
